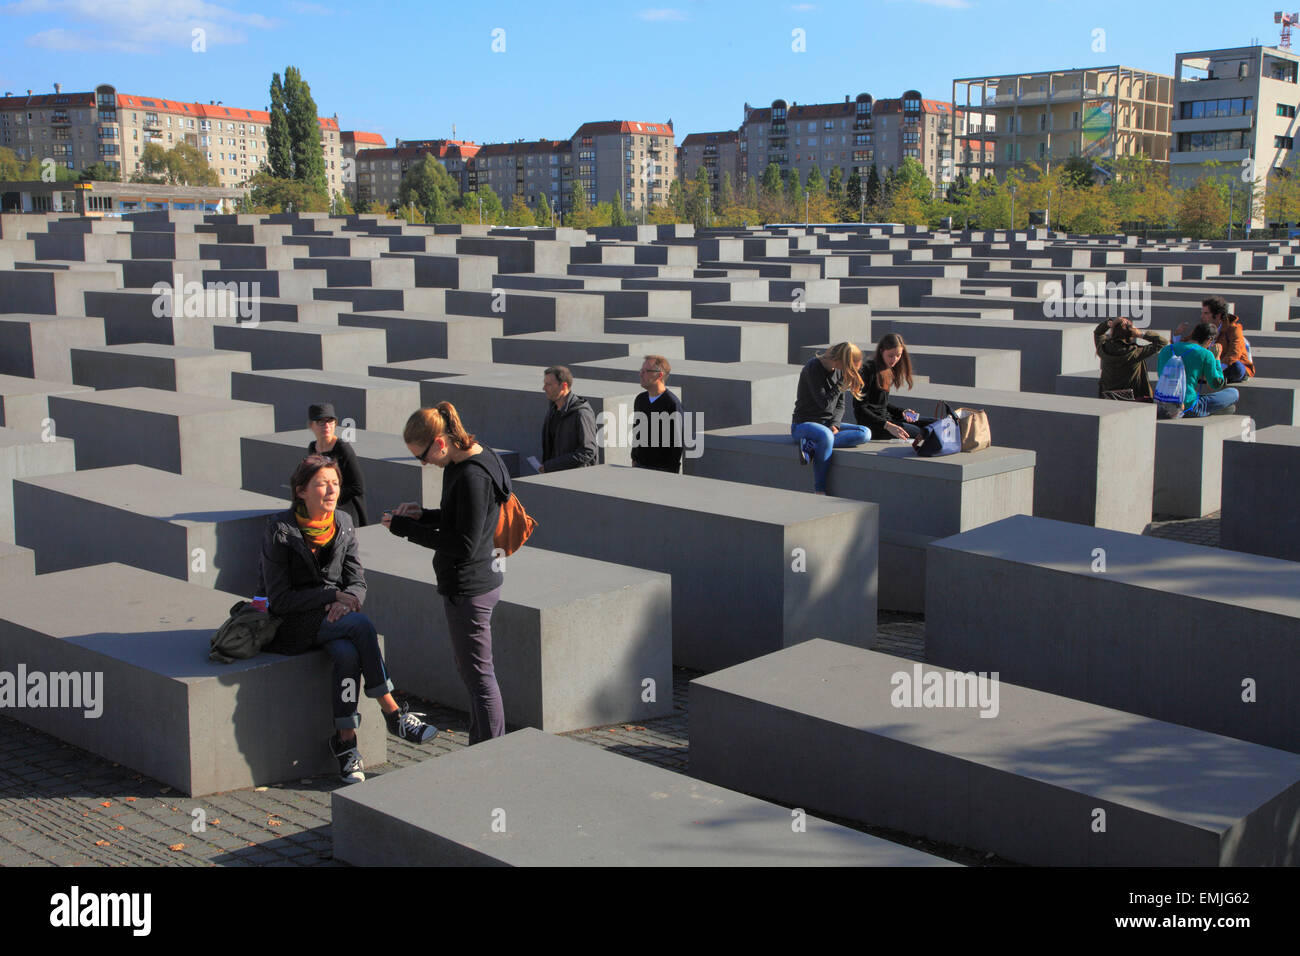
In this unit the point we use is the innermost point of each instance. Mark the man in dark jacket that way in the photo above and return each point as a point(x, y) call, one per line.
point(1123, 360)
point(569, 432)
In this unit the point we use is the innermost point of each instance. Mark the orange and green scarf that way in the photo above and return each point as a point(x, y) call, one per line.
point(317, 533)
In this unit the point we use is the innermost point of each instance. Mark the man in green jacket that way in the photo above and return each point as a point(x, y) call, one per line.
point(1123, 360)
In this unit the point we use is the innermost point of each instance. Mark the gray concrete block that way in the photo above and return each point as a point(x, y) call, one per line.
point(185, 528)
point(573, 640)
point(167, 367)
point(920, 498)
point(411, 336)
point(517, 255)
point(449, 271)
point(566, 348)
point(1168, 630)
point(377, 404)
point(1046, 349)
point(420, 369)
point(840, 731)
point(754, 569)
point(52, 291)
point(192, 435)
point(807, 326)
point(509, 409)
point(24, 402)
point(391, 474)
point(82, 247)
point(1096, 458)
point(25, 454)
point(565, 803)
point(522, 312)
point(292, 284)
point(366, 299)
point(973, 368)
point(279, 345)
point(165, 710)
point(16, 562)
point(1260, 473)
point(37, 346)
point(724, 394)
point(372, 273)
point(1189, 463)
point(715, 340)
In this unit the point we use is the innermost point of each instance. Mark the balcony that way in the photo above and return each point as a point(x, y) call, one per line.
point(60, 118)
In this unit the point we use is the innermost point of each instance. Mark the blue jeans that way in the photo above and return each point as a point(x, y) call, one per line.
point(825, 441)
point(1212, 403)
point(1236, 372)
point(353, 647)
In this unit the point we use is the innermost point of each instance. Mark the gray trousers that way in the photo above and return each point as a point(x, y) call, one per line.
point(469, 622)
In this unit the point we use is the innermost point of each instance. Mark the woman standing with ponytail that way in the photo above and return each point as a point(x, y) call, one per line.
point(819, 408)
point(460, 531)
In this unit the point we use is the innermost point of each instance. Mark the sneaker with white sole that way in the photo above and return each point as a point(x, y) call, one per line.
point(408, 726)
point(807, 448)
point(351, 769)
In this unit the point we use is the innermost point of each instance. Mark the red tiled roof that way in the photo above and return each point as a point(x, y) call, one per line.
point(44, 100)
point(442, 150)
point(357, 136)
point(605, 127)
point(207, 110)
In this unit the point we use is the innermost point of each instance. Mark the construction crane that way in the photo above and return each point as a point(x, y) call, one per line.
point(1286, 19)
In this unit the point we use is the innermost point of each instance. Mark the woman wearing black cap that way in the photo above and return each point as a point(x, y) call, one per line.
point(322, 422)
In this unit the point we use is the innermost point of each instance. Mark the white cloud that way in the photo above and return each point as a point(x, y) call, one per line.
point(137, 26)
point(661, 14)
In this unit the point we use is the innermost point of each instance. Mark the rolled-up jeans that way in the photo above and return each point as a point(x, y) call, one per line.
point(353, 647)
point(825, 441)
point(1212, 403)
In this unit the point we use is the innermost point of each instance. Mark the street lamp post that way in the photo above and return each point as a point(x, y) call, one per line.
point(1232, 182)
point(480, 208)
point(805, 209)
point(1012, 190)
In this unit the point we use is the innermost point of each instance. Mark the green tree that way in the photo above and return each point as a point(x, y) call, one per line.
point(279, 143)
point(617, 216)
point(726, 195)
point(483, 204)
point(518, 214)
point(677, 200)
point(1202, 212)
point(835, 186)
point(187, 166)
point(543, 215)
point(428, 185)
point(873, 188)
point(1077, 172)
point(816, 183)
point(911, 178)
point(772, 182)
point(579, 209)
point(794, 190)
point(698, 193)
point(304, 130)
point(751, 192)
point(853, 198)
point(101, 172)
point(268, 194)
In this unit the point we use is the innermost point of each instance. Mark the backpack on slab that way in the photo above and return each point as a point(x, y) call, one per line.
point(1171, 389)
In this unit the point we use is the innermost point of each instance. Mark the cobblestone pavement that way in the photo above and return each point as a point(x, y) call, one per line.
point(61, 806)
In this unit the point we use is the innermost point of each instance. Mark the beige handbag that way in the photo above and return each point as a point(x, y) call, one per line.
point(975, 432)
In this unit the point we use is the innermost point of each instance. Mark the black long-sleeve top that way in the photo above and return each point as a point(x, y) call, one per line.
point(462, 528)
point(873, 409)
point(352, 485)
point(818, 398)
point(659, 446)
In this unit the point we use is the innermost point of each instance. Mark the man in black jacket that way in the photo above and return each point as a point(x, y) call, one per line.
point(657, 420)
point(569, 432)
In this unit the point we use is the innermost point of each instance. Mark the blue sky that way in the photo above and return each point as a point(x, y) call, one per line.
point(412, 69)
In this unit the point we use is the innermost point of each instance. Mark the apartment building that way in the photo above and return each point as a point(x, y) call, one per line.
point(1232, 106)
point(350, 141)
point(527, 168)
point(854, 135)
point(79, 129)
point(625, 159)
point(1103, 113)
point(717, 152)
point(380, 171)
